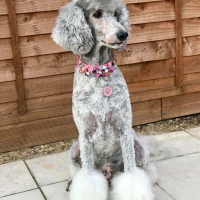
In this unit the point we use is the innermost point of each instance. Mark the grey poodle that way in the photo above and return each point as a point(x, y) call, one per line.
point(108, 150)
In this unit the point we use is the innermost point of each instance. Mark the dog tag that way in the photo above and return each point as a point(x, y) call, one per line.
point(107, 91)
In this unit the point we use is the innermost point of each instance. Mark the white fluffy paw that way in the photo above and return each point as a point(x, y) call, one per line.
point(92, 186)
point(127, 186)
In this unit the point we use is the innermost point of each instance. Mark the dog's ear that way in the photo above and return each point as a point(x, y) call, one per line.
point(124, 18)
point(72, 32)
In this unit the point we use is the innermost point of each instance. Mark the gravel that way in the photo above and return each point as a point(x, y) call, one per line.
point(155, 128)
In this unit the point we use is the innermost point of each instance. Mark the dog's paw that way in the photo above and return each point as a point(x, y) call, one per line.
point(89, 186)
point(142, 158)
point(127, 186)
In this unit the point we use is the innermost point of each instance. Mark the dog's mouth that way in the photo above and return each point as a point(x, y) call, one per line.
point(113, 44)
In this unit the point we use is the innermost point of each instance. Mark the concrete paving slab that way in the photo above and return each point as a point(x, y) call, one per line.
point(30, 195)
point(183, 143)
point(195, 132)
point(56, 191)
point(180, 177)
point(50, 169)
point(160, 194)
point(15, 178)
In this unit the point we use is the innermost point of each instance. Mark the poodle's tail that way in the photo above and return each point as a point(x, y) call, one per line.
point(159, 150)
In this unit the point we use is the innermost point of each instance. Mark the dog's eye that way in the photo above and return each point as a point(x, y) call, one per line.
point(97, 14)
point(116, 13)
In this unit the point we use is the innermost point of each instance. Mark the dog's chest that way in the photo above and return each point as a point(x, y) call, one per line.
point(100, 115)
point(88, 92)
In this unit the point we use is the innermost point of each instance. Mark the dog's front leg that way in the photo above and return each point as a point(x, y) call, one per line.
point(88, 184)
point(134, 183)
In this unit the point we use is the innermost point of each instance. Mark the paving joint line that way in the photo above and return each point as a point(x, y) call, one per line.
point(55, 183)
point(18, 193)
point(192, 135)
point(35, 181)
point(164, 191)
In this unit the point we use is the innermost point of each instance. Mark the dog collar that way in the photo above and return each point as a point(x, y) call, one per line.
point(96, 71)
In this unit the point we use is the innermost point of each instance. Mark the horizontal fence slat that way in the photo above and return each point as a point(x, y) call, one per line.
point(7, 72)
point(146, 105)
point(3, 7)
point(49, 102)
point(150, 85)
point(37, 115)
point(8, 92)
point(34, 133)
point(151, 32)
point(156, 94)
point(191, 46)
point(48, 65)
point(190, 9)
point(36, 23)
point(51, 85)
point(4, 26)
point(9, 109)
point(48, 136)
point(146, 117)
point(181, 110)
point(150, 51)
point(180, 105)
point(181, 99)
point(38, 45)
point(191, 27)
point(148, 70)
point(27, 6)
point(5, 49)
point(161, 11)
point(191, 82)
point(151, 12)
point(146, 112)
point(191, 64)
point(29, 128)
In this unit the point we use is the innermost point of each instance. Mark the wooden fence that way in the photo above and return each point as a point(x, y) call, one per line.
point(161, 66)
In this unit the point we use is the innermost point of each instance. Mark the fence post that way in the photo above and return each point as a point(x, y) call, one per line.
point(16, 56)
point(179, 50)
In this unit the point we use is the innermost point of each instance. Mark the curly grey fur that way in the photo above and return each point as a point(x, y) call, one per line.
point(72, 31)
point(107, 141)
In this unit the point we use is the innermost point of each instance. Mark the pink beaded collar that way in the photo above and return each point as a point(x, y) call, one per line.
point(96, 71)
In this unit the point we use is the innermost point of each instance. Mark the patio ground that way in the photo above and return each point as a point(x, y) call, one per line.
point(45, 178)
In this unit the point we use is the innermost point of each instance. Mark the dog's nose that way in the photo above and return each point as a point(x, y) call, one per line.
point(121, 35)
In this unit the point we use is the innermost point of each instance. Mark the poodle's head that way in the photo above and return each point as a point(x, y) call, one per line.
point(83, 23)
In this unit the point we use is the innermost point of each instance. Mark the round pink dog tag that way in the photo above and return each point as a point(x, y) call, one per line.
point(107, 91)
